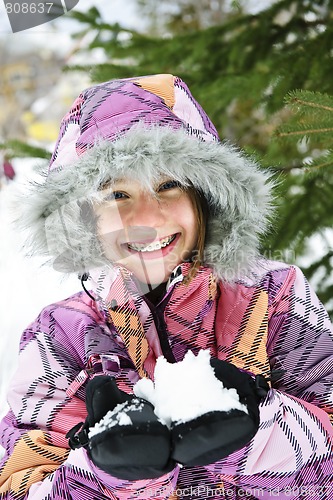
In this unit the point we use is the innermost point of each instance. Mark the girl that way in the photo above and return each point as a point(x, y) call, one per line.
point(163, 221)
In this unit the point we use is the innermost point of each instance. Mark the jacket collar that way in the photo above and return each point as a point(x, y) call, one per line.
point(121, 303)
point(101, 280)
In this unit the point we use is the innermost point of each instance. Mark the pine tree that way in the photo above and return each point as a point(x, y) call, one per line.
point(307, 196)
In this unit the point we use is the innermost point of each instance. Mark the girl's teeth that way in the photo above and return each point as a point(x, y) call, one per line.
point(156, 245)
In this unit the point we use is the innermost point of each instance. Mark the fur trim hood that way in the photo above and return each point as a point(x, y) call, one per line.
point(145, 128)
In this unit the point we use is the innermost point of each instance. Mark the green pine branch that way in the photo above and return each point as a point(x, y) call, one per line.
point(19, 149)
point(311, 118)
point(306, 101)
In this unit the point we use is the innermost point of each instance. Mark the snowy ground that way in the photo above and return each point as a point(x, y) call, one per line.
point(25, 287)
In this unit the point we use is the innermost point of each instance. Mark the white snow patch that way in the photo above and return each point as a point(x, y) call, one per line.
point(117, 416)
point(28, 285)
point(185, 390)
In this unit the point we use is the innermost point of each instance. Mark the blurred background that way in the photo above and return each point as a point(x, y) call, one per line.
point(261, 69)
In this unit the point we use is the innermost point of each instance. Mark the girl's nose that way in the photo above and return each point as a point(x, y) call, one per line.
point(147, 211)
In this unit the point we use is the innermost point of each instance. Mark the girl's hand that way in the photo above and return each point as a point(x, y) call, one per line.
point(216, 434)
point(122, 434)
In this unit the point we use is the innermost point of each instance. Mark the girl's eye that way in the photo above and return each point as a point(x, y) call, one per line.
point(169, 185)
point(114, 195)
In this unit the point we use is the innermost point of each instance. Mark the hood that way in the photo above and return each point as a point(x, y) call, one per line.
point(145, 128)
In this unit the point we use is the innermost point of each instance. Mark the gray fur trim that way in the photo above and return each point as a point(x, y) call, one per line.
point(237, 191)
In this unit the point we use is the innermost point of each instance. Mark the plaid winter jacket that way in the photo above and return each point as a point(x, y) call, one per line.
point(274, 325)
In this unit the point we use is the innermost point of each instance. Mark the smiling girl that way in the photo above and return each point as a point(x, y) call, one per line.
point(162, 221)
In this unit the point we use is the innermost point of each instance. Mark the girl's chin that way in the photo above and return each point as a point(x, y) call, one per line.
point(150, 277)
point(149, 272)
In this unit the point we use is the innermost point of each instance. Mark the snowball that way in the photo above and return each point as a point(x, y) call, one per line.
point(185, 390)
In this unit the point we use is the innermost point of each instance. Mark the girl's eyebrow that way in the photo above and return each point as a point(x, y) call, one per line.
point(111, 184)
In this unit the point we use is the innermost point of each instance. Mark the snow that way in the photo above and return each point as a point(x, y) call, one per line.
point(117, 416)
point(185, 390)
point(27, 285)
point(181, 392)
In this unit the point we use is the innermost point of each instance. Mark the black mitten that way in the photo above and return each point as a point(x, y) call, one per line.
point(214, 435)
point(129, 442)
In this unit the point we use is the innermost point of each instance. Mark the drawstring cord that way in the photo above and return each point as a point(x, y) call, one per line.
point(84, 277)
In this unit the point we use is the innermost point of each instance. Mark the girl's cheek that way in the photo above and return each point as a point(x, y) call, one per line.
point(185, 209)
point(109, 220)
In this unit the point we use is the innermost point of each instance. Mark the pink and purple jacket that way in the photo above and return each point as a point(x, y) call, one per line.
point(262, 316)
point(275, 325)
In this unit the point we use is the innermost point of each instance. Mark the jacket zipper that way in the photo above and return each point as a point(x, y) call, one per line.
point(158, 317)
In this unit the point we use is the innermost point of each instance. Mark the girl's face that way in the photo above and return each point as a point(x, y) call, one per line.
point(148, 233)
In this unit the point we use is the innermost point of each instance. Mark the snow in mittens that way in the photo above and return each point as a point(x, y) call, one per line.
point(117, 416)
point(185, 390)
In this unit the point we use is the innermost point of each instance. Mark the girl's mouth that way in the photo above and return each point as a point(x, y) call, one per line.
point(153, 246)
point(147, 248)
